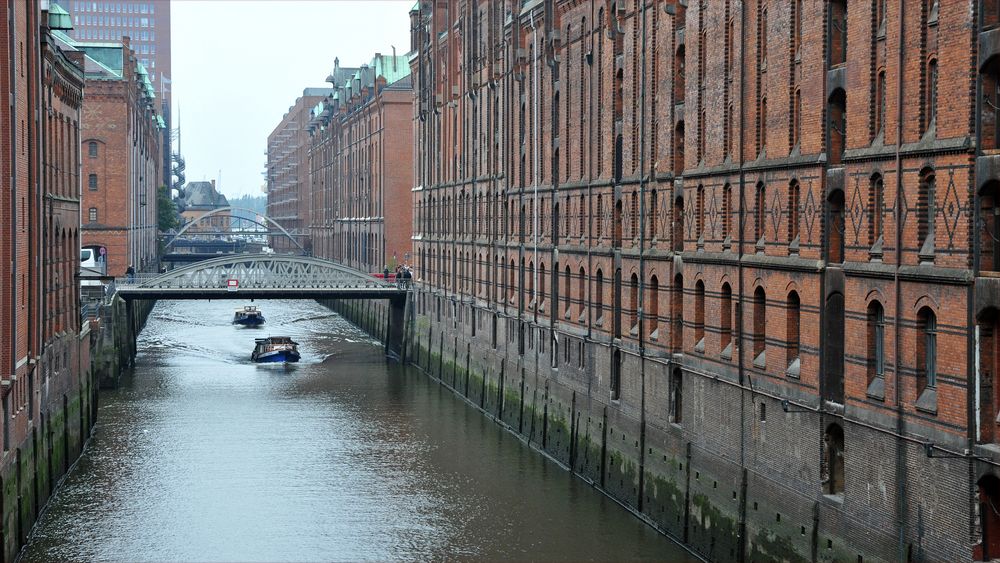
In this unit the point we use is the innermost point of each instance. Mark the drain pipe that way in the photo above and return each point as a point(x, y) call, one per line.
point(900, 453)
point(642, 267)
point(741, 368)
point(534, 168)
point(12, 51)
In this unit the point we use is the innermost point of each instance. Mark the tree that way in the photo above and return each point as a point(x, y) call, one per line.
point(166, 210)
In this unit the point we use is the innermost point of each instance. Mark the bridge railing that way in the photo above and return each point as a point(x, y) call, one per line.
point(251, 279)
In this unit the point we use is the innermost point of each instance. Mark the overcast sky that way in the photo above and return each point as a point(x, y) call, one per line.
point(238, 65)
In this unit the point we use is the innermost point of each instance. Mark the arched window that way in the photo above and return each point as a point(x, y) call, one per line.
point(541, 287)
point(760, 213)
point(987, 548)
point(763, 38)
point(92, 182)
point(677, 310)
point(876, 203)
point(633, 216)
point(835, 227)
point(727, 211)
point(582, 296)
point(633, 312)
point(762, 126)
point(512, 287)
point(701, 213)
point(926, 211)
point(653, 317)
point(989, 246)
point(988, 323)
point(796, 118)
point(726, 321)
point(797, 32)
point(990, 107)
point(599, 297)
point(880, 103)
point(930, 96)
point(838, 32)
point(759, 324)
point(837, 111)
point(600, 216)
point(679, 68)
point(833, 460)
point(699, 316)
point(876, 342)
point(567, 292)
point(793, 211)
point(792, 317)
point(926, 350)
point(652, 215)
point(678, 234)
point(92, 149)
point(679, 148)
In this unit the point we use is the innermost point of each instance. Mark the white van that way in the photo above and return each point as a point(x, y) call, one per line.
point(89, 266)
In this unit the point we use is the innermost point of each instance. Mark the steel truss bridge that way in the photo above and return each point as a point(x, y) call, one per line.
point(259, 276)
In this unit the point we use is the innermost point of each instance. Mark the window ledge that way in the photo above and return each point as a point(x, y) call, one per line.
point(927, 401)
point(837, 498)
point(793, 369)
point(876, 389)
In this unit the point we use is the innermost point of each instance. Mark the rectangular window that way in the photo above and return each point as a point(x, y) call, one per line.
point(92, 182)
point(93, 215)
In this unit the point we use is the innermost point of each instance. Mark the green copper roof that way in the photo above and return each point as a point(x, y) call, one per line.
point(59, 18)
point(108, 56)
point(393, 68)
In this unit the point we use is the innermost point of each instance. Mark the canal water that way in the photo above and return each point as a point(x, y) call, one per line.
point(202, 455)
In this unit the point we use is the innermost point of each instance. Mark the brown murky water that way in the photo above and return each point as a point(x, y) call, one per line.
point(202, 455)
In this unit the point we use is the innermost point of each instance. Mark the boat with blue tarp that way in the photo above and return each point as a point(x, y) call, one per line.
point(249, 315)
point(275, 349)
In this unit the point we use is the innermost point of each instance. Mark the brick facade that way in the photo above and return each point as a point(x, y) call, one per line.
point(43, 347)
point(288, 193)
point(360, 163)
point(122, 161)
point(742, 249)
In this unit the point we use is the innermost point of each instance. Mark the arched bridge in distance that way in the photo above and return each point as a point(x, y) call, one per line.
point(268, 276)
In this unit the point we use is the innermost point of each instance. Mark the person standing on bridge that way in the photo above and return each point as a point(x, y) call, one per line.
point(385, 273)
point(130, 273)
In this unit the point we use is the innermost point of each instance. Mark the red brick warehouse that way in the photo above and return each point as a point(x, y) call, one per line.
point(122, 164)
point(44, 345)
point(744, 250)
point(361, 165)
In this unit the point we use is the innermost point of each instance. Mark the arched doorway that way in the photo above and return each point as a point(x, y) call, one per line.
point(988, 323)
point(988, 547)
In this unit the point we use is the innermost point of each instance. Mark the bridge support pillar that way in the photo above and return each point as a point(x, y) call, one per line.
point(131, 334)
point(397, 317)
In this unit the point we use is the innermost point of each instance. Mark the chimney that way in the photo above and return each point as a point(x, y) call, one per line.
point(394, 58)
